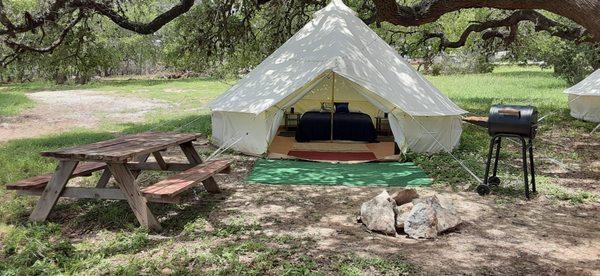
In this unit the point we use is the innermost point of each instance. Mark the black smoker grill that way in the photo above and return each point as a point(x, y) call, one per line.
point(510, 121)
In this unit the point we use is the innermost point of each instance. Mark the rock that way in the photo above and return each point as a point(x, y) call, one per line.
point(378, 214)
point(431, 216)
point(167, 271)
point(446, 214)
point(404, 196)
point(581, 214)
point(402, 214)
point(421, 221)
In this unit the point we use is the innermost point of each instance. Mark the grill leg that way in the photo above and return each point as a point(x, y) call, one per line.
point(484, 188)
point(489, 160)
point(532, 166)
point(498, 145)
point(524, 153)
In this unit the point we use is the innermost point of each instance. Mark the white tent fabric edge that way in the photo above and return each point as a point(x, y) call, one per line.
point(584, 98)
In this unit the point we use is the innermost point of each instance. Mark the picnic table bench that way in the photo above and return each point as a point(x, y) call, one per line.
point(123, 158)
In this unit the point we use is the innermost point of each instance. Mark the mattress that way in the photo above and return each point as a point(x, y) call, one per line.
point(351, 126)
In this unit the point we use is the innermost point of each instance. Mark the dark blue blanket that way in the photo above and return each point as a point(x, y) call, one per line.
point(352, 126)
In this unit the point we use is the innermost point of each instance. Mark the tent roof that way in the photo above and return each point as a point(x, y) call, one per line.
point(336, 40)
point(590, 86)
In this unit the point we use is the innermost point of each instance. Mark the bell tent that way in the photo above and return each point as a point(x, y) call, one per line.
point(335, 58)
point(584, 98)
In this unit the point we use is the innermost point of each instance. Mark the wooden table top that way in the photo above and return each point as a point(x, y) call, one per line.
point(123, 148)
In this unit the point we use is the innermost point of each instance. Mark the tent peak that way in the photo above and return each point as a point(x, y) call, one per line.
point(336, 5)
point(589, 86)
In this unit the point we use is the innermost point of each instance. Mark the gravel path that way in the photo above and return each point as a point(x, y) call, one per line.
point(59, 111)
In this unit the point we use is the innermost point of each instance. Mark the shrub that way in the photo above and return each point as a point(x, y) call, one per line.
point(574, 62)
point(461, 63)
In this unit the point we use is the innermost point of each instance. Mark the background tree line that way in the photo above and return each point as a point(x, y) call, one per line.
point(225, 38)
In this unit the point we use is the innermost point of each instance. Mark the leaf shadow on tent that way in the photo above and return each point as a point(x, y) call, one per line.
point(336, 40)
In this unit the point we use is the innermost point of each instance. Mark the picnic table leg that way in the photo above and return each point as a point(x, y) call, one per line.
point(139, 205)
point(53, 190)
point(140, 159)
point(190, 152)
point(211, 185)
point(194, 158)
point(161, 162)
point(106, 174)
point(104, 178)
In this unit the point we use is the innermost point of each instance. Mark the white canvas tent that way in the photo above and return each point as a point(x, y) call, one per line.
point(584, 98)
point(368, 73)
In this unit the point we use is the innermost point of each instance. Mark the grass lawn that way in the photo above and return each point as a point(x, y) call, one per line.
point(192, 92)
point(45, 249)
point(13, 103)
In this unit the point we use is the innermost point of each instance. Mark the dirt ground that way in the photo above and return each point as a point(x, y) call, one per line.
point(498, 235)
point(572, 173)
point(525, 238)
point(520, 237)
point(59, 111)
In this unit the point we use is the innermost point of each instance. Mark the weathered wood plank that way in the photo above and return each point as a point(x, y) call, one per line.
point(211, 185)
point(138, 203)
point(35, 182)
point(190, 153)
point(153, 166)
point(226, 170)
point(95, 193)
point(39, 182)
point(176, 184)
point(53, 190)
point(161, 162)
point(194, 158)
point(124, 148)
point(140, 159)
point(104, 178)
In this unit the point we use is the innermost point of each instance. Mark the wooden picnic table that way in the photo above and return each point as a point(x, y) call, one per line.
point(123, 158)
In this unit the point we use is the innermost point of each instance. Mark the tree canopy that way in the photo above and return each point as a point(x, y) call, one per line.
point(84, 37)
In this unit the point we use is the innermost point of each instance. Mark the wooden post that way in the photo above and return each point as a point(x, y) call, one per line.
point(332, 104)
point(138, 203)
point(190, 153)
point(161, 162)
point(141, 159)
point(104, 178)
point(53, 190)
point(211, 185)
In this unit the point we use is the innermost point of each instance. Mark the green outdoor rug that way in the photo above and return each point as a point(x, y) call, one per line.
point(391, 174)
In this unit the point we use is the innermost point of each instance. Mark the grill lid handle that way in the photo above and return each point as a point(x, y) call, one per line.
point(510, 112)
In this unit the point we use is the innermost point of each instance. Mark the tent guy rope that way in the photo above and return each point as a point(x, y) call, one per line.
point(594, 130)
point(448, 151)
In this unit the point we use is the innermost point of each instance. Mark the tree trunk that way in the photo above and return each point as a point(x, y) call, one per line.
point(584, 12)
point(60, 78)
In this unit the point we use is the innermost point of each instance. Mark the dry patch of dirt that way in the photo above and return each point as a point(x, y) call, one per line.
point(535, 237)
point(58, 111)
point(577, 174)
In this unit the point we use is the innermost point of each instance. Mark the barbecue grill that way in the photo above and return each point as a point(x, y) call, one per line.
point(510, 121)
